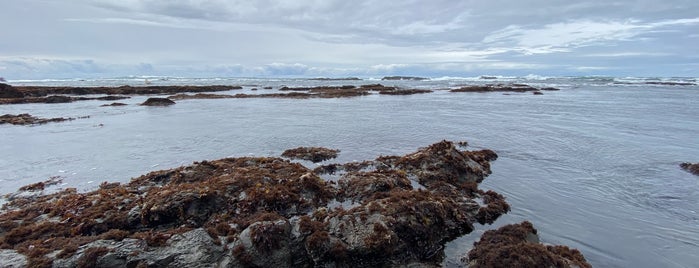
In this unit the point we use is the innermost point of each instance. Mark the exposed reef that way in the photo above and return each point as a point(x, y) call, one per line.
point(260, 212)
point(113, 104)
point(313, 154)
point(502, 88)
point(24, 94)
point(311, 92)
point(691, 168)
point(158, 102)
point(517, 245)
point(27, 119)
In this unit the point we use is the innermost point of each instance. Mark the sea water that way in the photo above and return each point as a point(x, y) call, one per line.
point(593, 166)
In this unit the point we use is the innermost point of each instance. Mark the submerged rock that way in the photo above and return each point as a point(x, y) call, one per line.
point(113, 104)
point(313, 154)
point(261, 211)
point(158, 102)
point(517, 245)
point(691, 168)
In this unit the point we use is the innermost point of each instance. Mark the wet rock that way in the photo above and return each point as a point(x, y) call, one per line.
point(58, 99)
point(405, 92)
point(12, 259)
point(500, 88)
point(27, 119)
point(257, 211)
point(691, 168)
point(9, 92)
point(517, 245)
point(413, 78)
point(313, 154)
point(158, 102)
point(113, 104)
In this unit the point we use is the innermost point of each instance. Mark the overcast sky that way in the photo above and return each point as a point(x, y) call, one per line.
point(331, 38)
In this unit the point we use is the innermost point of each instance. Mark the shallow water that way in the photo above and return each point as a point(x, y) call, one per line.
point(593, 166)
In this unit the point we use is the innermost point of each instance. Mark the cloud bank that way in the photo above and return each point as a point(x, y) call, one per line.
point(103, 38)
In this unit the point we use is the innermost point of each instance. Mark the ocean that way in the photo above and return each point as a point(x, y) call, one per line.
point(593, 166)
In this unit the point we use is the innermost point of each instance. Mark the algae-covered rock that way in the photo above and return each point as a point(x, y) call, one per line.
point(261, 212)
point(517, 245)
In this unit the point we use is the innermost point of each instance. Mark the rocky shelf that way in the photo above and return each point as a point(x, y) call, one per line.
point(259, 212)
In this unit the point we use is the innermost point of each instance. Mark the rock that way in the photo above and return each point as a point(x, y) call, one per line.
point(194, 248)
point(405, 92)
point(158, 102)
point(691, 168)
point(517, 245)
point(313, 154)
point(504, 88)
point(113, 104)
point(261, 211)
point(58, 99)
point(12, 259)
point(9, 92)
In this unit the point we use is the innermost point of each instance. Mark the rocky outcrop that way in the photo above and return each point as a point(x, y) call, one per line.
point(122, 90)
point(313, 154)
point(19, 95)
point(158, 102)
point(517, 245)
point(113, 104)
point(405, 91)
point(260, 211)
point(691, 168)
point(27, 119)
point(9, 92)
point(501, 88)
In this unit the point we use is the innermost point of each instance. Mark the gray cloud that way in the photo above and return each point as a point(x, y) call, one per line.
point(308, 38)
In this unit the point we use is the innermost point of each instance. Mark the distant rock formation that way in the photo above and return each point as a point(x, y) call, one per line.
point(158, 102)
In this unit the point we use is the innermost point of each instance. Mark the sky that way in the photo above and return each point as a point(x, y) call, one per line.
point(46, 39)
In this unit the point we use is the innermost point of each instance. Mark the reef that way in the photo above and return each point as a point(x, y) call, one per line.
point(691, 168)
point(311, 92)
point(517, 245)
point(502, 88)
point(158, 102)
point(259, 212)
point(113, 104)
point(27, 119)
point(313, 154)
point(32, 94)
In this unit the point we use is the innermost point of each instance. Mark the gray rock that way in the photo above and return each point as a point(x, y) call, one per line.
point(12, 259)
